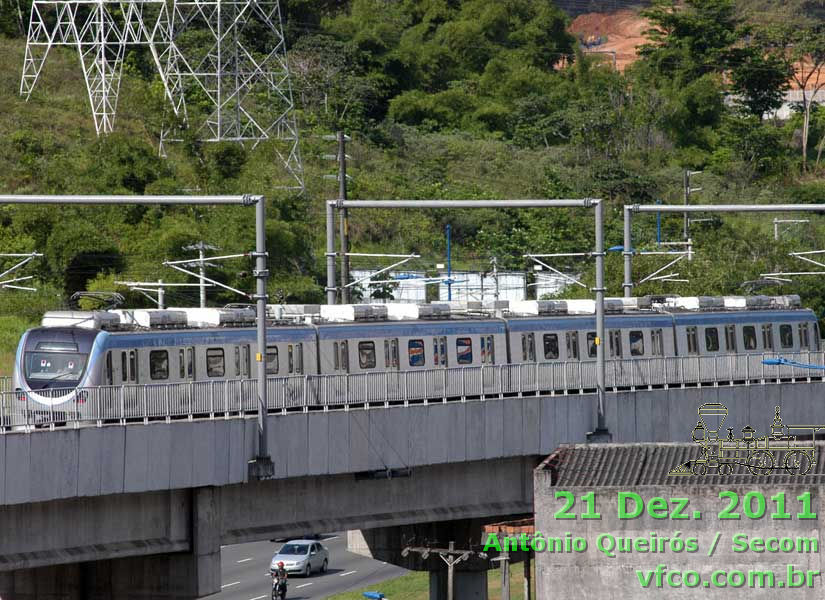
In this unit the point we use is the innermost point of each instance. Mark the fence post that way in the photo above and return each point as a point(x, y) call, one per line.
point(501, 381)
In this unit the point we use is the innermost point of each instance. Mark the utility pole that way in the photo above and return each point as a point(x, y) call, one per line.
point(687, 192)
point(449, 263)
point(504, 559)
point(450, 556)
point(344, 221)
point(201, 247)
point(161, 295)
point(494, 260)
point(341, 158)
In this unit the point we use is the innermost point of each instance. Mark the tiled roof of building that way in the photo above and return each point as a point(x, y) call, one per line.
point(603, 465)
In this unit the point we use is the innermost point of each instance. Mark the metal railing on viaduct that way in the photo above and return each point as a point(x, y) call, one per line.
point(20, 411)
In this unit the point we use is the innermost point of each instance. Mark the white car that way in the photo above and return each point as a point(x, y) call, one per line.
point(301, 556)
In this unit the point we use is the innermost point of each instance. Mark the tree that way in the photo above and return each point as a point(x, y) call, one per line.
point(12, 17)
point(687, 42)
point(800, 45)
point(760, 78)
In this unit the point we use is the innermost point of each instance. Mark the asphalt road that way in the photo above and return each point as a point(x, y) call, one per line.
point(245, 572)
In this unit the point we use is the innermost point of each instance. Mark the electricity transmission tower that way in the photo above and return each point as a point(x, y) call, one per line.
point(229, 56)
point(100, 30)
point(233, 55)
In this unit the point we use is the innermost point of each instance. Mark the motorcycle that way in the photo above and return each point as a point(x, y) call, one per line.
point(278, 588)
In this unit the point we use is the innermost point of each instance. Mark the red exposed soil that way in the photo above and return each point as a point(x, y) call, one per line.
point(620, 32)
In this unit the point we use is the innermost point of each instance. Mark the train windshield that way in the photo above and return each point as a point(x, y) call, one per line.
point(61, 368)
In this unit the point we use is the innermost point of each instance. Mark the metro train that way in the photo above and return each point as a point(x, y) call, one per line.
point(113, 348)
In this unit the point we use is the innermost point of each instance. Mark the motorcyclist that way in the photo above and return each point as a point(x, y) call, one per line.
point(279, 578)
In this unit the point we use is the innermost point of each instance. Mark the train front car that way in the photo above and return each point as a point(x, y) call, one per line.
point(52, 362)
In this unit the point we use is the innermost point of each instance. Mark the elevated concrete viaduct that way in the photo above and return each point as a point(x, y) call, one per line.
point(140, 511)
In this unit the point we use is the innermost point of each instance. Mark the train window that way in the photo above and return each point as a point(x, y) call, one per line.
point(133, 365)
point(464, 351)
point(215, 366)
point(159, 364)
point(749, 337)
point(124, 373)
point(237, 361)
point(804, 340)
point(289, 359)
point(591, 344)
point(711, 339)
point(615, 336)
point(692, 341)
point(572, 339)
point(366, 355)
point(767, 336)
point(637, 343)
point(730, 338)
point(182, 363)
point(657, 342)
point(335, 355)
point(442, 342)
point(551, 346)
point(109, 369)
point(272, 359)
point(528, 347)
point(344, 355)
point(415, 349)
point(786, 336)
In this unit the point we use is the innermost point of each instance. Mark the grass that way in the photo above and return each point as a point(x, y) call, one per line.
point(416, 585)
point(11, 328)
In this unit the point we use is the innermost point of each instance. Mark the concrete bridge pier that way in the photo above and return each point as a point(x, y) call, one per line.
point(172, 575)
point(469, 585)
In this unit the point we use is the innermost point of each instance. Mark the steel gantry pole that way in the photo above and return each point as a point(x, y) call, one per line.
point(629, 209)
point(261, 467)
point(601, 433)
point(331, 252)
point(627, 252)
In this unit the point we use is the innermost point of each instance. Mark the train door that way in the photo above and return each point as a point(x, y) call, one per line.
point(437, 376)
point(392, 364)
point(488, 357)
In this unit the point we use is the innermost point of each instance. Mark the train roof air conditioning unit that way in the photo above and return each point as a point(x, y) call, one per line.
point(152, 318)
point(96, 319)
point(219, 317)
point(353, 312)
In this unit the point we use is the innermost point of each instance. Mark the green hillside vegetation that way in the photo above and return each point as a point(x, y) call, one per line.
point(444, 99)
